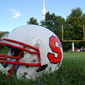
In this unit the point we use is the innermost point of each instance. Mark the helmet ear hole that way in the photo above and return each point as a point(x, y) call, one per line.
point(41, 68)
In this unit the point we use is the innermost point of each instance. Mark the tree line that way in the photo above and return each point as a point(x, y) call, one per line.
point(72, 26)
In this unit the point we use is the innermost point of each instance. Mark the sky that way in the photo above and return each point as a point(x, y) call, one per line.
point(15, 13)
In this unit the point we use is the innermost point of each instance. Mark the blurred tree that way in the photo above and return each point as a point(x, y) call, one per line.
point(32, 21)
point(76, 20)
point(3, 33)
point(54, 23)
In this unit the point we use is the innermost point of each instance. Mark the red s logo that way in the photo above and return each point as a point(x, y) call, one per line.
point(54, 45)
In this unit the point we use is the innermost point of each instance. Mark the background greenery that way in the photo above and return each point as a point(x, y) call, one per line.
point(71, 72)
point(73, 27)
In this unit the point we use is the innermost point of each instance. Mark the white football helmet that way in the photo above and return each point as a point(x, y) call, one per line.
point(32, 49)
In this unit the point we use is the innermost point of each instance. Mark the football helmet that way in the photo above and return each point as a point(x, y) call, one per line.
point(32, 49)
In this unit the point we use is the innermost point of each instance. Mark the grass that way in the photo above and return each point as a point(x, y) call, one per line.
point(71, 72)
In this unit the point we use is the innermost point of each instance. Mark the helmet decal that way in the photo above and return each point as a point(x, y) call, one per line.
point(55, 47)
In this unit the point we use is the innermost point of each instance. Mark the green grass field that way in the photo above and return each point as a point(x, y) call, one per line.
point(71, 72)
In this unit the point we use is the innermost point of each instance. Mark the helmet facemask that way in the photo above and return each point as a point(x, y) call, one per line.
point(16, 54)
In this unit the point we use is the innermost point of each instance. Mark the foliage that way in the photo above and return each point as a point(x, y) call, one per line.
point(32, 21)
point(54, 23)
point(73, 27)
point(71, 72)
point(3, 33)
point(76, 20)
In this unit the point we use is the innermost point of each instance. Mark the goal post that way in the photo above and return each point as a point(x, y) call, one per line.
point(73, 41)
point(83, 32)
